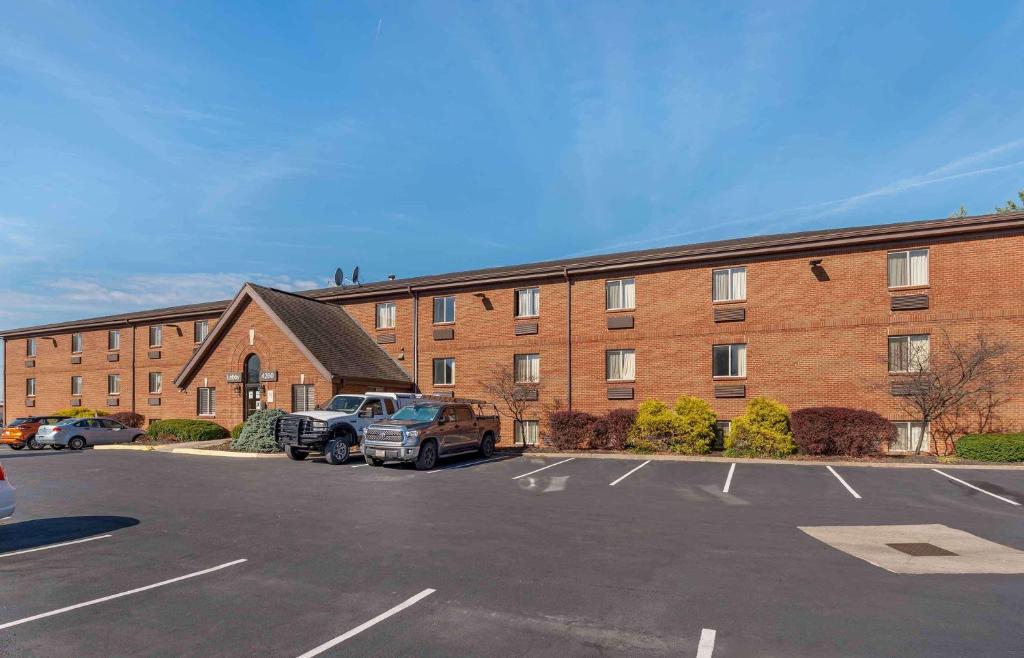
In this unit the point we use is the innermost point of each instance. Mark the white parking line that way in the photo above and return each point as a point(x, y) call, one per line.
point(544, 468)
point(968, 484)
point(362, 627)
point(706, 646)
point(728, 478)
point(630, 473)
point(840, 478)
point(46, 548)
point(467, 464)
point(119, 595)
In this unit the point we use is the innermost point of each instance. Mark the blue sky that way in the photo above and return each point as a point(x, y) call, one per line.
point(161, 153)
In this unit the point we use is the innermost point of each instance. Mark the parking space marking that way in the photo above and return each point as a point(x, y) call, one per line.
point(468, 464)
point(119, 595)
point(706, 646)
point(728, 478)
point(373, 622)
point(968, 484)
point(544, 468)
point(630, 473)
point(840, 478)
point(46, 548)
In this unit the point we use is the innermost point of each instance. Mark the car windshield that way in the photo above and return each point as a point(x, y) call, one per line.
point(346, 404)
point(419, 412)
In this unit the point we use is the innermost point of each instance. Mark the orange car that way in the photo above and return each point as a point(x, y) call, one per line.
point(22, 431)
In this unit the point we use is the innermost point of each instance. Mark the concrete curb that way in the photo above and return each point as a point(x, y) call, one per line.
point(226, 453)
point(167, 447)
point(774, 462)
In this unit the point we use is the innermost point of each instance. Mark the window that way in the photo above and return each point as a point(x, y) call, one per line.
point(729, 360)
point(527, 368)
point(389, 407)
point(206, 401)
point(113, 384)
point(907, 436)
point(372, 409)
point(619, 294)
point(156, 335)
point(444, 309)
point(200, 330)
point(113, 339)
point(527, 302)
point(76, 343)
point(76, 385)
point(729, 284)
point(386, 315)
point(908, 268)
point(30, 387)
point(527, 432)
point(463, 414)
point(908, 353)
point(30, 347)
point(444, 371)
point(156, 383)
point(620, 365)
point(722, 429)
point(303, 397)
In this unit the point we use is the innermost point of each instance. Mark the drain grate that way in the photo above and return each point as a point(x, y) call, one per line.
point(921, 549)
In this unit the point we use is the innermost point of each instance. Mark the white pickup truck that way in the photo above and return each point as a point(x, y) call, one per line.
point(336, 427)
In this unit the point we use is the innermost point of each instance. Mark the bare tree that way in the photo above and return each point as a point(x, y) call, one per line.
point(512, 398)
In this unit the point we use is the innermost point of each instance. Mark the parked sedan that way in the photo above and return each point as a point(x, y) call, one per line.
point(6, 495)
point(76, 433)
point(22, 431)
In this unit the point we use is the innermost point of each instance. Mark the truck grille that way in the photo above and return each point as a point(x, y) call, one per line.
point(376, 434)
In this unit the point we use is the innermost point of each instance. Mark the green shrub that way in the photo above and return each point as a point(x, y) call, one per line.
point(236, 430)
point(762, 431)
point(257, 434)
point(81, 412)
point(688, 428)
point(642, 446)
point(184, 429)
point(992, 447)
point(697, 422)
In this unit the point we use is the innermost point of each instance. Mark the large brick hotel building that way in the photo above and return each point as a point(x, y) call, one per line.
point(812, 318)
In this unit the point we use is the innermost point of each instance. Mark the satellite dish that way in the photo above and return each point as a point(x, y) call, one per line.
point(339, 277)
point(355, 275)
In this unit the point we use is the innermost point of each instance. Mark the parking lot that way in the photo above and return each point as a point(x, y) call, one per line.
point(117, 553)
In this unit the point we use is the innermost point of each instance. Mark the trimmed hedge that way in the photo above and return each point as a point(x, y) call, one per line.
point(762, 431)
point(257, 433)
point(688, 428)
point(611, 432)
point(569, 430)
point(184, 429)
point(236, 430)
point(129, 419)
point(992, 447)
point(81, 412)
point(840, 431)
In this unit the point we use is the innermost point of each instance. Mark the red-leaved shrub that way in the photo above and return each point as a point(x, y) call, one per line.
point(128, 418)
point(610, 432)
point(569, 430)
point(840, 431)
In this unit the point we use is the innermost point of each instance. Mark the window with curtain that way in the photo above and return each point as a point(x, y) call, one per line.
point(114, 339)
point(908, 268)
point(200, 330)
point(444, 371)
point(156, 382)
point(76, 385)
point(206, 401)
point(620, 294)
point(386, 315)
point(113, 384)
point(729, 360)
point(156, 335)
point(30, 386)
point(76, 343)
point(303, 397)
point(620, 365)
point(527, 432)
point(527, 302)
point(908, 353)
point(30, 347)
point(527, 368)
point(729, 284)
point(907, 436)
point(444, 309)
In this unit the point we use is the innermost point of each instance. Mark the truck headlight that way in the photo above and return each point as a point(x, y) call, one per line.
point(412, 434)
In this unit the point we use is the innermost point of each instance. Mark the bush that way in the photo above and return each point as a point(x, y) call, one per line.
point(840, 431)
point(81, 412)
point(762, 431)
point(688, 428)
point(183, 429)
point(992, 447)
point(129, 418)
point(257, 433)
point(569, 430)
point(697, 422)
point(611, 432)
point(236, 430)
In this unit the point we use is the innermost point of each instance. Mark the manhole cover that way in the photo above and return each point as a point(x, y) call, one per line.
point(921, 549)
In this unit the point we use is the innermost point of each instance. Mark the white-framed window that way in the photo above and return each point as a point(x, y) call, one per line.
point(620, 365)
point(444, 309)
point(908, 433)
point(729, 284)
point(527, 432)
point(620, 294)
point(156, 383)
point(527, 368)
point(156, 335)
point(114, 339)
point(76, 343)
point(30, 387)
point(908, 268)
point(909, 353)
point(386, 315)
point(729, 360)
point(76, 385)
point(113, 384)
point(30, 347)
point(303, 397)
point(444, 371)
point(206, 401)
point(527, 302)
point(200, 330)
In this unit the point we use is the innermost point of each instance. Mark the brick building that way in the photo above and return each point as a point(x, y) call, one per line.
point(813, 318)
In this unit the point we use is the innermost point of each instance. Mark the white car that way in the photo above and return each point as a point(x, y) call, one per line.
point(6, 495)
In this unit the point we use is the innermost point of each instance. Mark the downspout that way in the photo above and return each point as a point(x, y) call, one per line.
point(415, 340)
point(7, 406)
point(568, 337)
point(133, 368)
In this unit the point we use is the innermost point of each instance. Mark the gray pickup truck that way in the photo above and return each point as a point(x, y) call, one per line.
point(425, 430)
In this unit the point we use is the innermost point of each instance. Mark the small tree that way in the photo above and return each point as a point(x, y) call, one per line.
point(1011, 205)
point(511, 397)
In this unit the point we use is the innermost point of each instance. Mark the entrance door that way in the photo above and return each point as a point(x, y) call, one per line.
point(252, 397)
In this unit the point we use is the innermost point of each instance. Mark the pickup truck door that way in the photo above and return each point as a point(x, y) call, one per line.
point(371, 412)
point(448, 436)
point(465, 424)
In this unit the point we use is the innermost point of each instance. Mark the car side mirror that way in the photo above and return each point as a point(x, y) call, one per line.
point(441, 421)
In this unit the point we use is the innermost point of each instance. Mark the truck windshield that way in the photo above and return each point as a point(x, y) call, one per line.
point(423, 413)
point(346, 404)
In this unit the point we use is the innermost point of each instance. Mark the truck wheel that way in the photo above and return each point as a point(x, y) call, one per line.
point(427, 458)
point(487, 445)
point(373, 461)
point(295, 454)
point(336, 451)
